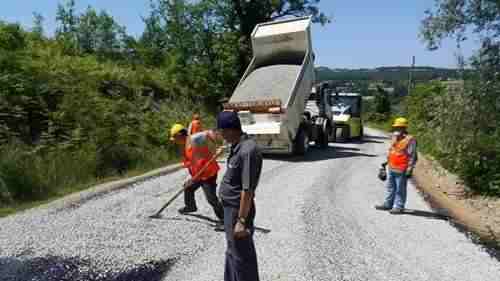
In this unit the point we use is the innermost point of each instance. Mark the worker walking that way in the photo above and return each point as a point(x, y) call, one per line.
point(195, 125)
point(197, 150)
point(401, 160)
point(237, 191)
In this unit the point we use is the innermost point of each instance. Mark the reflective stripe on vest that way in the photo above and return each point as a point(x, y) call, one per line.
point(197, 154)
point(399, 159)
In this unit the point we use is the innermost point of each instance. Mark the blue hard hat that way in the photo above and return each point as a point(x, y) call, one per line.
point(228, 120)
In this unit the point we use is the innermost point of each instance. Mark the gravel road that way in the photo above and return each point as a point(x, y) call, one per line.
point(315, 220)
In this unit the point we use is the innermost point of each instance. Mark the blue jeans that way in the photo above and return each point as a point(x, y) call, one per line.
point(396, 190)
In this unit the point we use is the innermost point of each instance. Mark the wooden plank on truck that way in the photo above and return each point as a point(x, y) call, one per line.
point(261, 106)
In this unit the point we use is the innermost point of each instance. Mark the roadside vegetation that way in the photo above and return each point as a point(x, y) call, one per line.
point(455, 115)
point(91, 102)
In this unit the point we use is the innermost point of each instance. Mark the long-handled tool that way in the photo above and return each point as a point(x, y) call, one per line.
point(157, 214)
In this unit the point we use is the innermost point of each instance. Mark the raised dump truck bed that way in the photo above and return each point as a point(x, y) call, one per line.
point(267, 83)
point(271, 95)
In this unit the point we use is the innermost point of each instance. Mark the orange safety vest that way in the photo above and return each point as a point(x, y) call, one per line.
point(194, 127)
point(399, 159)
point(197, 154)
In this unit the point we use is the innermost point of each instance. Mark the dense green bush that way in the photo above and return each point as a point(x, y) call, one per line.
point(66, 120)
point(461, 129)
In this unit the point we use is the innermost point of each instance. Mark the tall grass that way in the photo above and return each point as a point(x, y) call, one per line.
point(31, 176)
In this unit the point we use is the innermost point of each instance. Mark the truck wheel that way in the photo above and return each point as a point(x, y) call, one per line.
point(360, 136)
point(323, 138)
point(301, 142)
point(334, 134)
point(346, 133)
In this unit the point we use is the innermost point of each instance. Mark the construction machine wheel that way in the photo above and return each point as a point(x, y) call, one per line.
point(333, 134)
point(301, 144)
point(346, 133)
point(360, 136)
point(324, 137)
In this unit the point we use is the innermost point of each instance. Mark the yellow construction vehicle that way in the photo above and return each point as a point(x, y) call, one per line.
point(347, 109)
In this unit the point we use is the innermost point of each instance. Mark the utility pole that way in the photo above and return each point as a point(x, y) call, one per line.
point(410, 74)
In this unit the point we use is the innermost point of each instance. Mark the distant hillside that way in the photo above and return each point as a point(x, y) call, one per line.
point(395, 73)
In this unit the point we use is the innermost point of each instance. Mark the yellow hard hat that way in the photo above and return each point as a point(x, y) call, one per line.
point(400, 122)
point(175, 130)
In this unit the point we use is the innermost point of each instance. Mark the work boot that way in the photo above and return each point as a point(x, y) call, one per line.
point(382, 207)
point(219, 226)
point(185, 210)
point(396, 211)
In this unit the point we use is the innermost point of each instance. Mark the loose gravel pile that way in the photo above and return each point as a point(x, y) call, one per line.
point(265, 83)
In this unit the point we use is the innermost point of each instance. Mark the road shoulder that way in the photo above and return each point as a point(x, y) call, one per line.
point(80, 197)
point(443, 189)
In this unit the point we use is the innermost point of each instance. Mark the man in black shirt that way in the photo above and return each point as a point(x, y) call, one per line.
point(237, 191)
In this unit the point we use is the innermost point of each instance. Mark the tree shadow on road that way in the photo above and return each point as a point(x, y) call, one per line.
point(74, 268)
point(317, 154)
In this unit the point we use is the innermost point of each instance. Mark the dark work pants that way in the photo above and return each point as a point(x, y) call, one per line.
point(241, 258)
point(209, 188)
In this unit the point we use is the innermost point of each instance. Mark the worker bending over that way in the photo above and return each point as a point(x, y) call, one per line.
point(197, 150)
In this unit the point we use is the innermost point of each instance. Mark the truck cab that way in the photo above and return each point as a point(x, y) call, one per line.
point(347, 109)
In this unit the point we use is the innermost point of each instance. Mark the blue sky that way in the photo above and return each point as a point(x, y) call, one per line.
point(364, 33)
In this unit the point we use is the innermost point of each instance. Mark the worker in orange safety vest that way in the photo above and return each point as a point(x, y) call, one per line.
point(195, 125)
point(197, 150)
point(401, 160)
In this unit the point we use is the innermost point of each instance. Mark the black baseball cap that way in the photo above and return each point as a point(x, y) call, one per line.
point(228, 120)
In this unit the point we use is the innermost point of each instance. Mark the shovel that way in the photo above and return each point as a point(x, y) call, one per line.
point(157, 214)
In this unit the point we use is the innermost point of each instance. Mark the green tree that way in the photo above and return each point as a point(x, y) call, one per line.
point(469, 127)
point(111, 36)
point(38, 29)
point(452, 18)
point(87, 31)
point(382, 102)
point(245, 15)
point(68, 21)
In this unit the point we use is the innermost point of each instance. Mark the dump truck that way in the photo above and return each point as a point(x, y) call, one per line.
point(271, 95)
point(347, 109)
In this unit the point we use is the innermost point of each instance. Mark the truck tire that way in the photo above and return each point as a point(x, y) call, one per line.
point(346, 133)
point(361, 133)
point(333, 137)
point(301, 145)
point(323, 138)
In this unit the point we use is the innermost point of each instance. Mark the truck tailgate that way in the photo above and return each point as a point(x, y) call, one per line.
point(273, 128)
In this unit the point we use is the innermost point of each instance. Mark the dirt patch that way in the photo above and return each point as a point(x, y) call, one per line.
point(479, 214)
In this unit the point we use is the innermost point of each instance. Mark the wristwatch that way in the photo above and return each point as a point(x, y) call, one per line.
point(242, 220)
